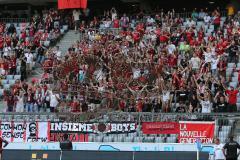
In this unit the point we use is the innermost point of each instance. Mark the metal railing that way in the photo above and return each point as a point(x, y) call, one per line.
point(105, 115)
point(15, 20)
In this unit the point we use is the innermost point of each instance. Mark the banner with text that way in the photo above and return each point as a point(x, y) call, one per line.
point(160, 127)
point(74, 137)
point(190, 131)
point(112, 128)
point(24, 131)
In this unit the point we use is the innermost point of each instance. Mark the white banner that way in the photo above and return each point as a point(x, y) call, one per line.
point(24, 132)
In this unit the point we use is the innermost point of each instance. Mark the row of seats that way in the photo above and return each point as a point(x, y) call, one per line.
point(124, 138)
point(223, 133)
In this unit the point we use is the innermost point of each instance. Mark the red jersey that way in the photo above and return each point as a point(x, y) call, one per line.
point(1, 42)
point(232, 96)
point(116, 23)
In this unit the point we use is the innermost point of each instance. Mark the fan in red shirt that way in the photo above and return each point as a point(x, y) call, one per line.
point(136, 36)
point(1, 42)
point(1, 28)
point(140, 28)
point(232, 99)
point(116, 23)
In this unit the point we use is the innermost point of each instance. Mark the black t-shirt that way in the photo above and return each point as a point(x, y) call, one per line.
point(232, 50)
point(41, 51)
point(182, 96)
point(220, 107)
point(231, 148)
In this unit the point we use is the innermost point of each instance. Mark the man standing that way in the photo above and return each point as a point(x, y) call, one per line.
point(76, 15)
point(231, 149)
point(2, 146)
point(218, 150)
point(66, 144)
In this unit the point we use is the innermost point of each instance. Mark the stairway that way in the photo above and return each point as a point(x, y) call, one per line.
point(69, 38)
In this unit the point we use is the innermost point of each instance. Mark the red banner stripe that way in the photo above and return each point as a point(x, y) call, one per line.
point(48, 131)
point(12, 131)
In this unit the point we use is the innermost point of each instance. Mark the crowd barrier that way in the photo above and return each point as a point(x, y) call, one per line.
point(15, 20)
point(99, 155)
point(115, 116)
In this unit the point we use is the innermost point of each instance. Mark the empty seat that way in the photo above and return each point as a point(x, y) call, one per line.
point(235, 74)
point(148, 139)
point(234, 79)
point(6, 86)
point(1, 92)
point(118, 139)
point(12, 82)
point(91, 138)
point(138, 139)
point(231, 65)
point(9, 77)
point(158, 140)
point(128, 139)
point(98, 139)
point(233, 84)
point(17, 77)
point(171, 139)
point(238, 106)
point(65, 27)
point(4, 81)
point(46, 43)
point(107, 139)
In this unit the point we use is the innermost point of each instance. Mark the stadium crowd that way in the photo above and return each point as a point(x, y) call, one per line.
point(160, 62)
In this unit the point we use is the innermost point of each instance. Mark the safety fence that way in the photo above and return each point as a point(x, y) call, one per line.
point(15, 20)
point(99, 155)
point(104, 115)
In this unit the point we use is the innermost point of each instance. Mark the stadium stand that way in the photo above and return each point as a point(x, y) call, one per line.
point(146, 67)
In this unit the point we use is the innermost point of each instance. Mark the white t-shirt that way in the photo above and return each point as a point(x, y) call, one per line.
point(59, 55)
point(218, 153)
point(29, 57)
point(208, 57)
point(206, 106)
point(207, 19)
point(166, 96)
point(136, 73)
point(171, 48)
point(214, 63)
point(76, 15)
point(195, 62)
point(54, 100)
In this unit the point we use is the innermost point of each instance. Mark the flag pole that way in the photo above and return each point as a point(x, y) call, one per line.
point(197, 154)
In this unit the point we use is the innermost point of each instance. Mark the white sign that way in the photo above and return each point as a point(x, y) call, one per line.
point(24, 132)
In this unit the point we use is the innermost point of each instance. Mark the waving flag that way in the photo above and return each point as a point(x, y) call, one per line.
point(71, 4)
point(199, 144)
